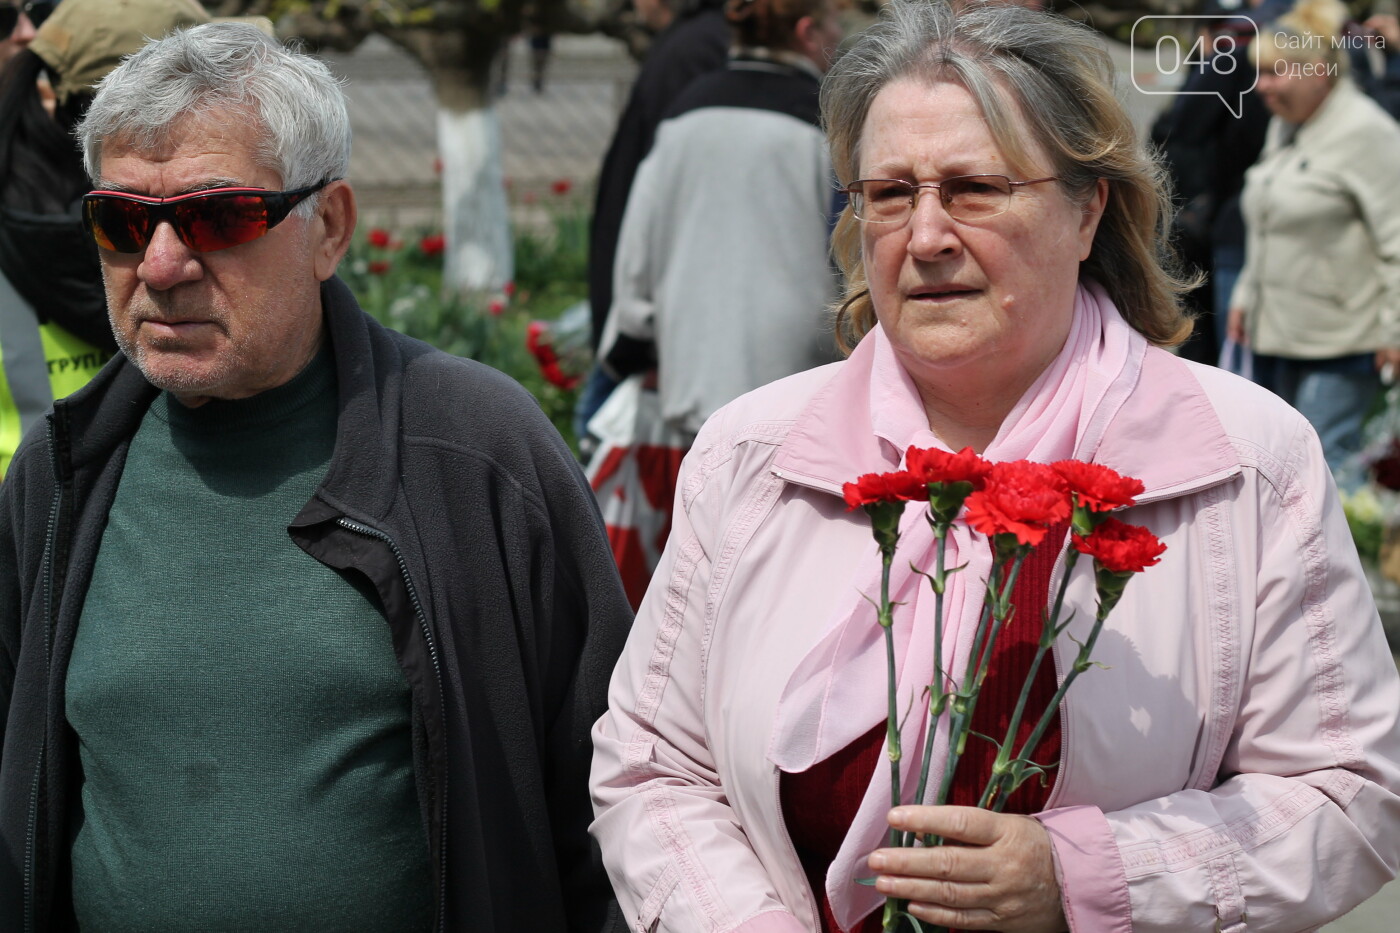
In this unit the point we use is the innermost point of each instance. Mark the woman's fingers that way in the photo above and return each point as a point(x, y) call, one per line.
point(945, 863)
point(965, 824)
point(998, 874)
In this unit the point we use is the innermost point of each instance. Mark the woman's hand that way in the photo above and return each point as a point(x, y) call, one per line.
point(1001, 877)
point(1234, 326)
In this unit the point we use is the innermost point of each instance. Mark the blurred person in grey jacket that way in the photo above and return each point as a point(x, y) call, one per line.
point(723, 256)
point(1318, 300)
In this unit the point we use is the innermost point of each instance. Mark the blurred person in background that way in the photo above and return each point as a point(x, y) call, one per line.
point(1385, 86)
point(54, 333)
point(723, 255)
point(1207, 148)
point(1234, 760)
point(18, 22)
point(723, 275)
point(692, 39)
point(1318, 300)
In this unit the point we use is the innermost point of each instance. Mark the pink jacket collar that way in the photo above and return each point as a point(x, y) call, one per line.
point(1165, 431)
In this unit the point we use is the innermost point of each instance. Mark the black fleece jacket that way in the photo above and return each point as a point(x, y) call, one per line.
point(451, 495)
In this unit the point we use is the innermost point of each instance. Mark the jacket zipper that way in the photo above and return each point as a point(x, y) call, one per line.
point(31, 841)
point(421, 616)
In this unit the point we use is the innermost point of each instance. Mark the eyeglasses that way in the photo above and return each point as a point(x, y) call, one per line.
point(967, 198)
point(204, 221)
point(36, 10)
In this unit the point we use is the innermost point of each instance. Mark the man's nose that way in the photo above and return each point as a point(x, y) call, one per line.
point(23, 32)
point(168, 261)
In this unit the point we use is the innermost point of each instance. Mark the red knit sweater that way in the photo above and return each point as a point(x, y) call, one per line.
point(819, 804)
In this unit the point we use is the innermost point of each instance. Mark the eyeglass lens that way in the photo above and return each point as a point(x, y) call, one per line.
point(965, 197)
point(38, 12)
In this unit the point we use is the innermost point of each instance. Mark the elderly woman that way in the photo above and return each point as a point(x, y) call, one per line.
point(1319, 297)
point(1238, 755)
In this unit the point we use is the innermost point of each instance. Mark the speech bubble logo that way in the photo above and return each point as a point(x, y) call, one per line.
point(1171, 57)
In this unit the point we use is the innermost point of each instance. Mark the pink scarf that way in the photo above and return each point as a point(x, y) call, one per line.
point(837, 692)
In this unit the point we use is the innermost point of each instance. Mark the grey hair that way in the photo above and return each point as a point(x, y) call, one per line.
point(1041, 82)
point(226, 68)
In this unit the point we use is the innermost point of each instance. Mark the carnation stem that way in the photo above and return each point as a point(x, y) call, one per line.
point(938, 696)
point(1081, 664)
point(997, 606)
point(893, 908)
point(1007, 770)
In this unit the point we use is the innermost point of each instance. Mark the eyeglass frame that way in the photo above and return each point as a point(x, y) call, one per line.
point(162, 209)
point(854, 190)
point(27, 8)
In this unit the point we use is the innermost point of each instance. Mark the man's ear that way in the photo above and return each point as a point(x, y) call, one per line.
point(335, 225)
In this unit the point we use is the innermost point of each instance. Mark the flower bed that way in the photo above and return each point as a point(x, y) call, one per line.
point(397, 277)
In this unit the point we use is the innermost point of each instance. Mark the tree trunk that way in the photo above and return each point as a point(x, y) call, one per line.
point(476, 217)
point(480, 254)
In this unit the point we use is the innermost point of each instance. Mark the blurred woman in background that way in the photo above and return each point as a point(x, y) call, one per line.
point(1318, 300)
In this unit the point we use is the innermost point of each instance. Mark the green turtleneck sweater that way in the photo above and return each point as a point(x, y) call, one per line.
point(243, 725)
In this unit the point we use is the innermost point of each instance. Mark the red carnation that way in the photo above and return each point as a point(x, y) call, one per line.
point(873, 488)
point(1121, 548)
point(509, 289)
point(378, 266)
point(497, 307)
point(1020, 498)
point(938, 466)
point(1096, 487)
point(561, 186)
point(379, 238)
point(433, 244)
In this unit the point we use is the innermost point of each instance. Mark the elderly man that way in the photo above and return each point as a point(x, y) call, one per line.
point(302, 623)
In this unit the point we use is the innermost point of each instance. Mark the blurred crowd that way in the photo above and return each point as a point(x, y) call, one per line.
point(1290, 206)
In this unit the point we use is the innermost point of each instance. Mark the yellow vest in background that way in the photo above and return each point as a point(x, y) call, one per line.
point(39, 363)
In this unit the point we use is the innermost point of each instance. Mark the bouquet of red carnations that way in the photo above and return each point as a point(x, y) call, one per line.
point(1014, 503)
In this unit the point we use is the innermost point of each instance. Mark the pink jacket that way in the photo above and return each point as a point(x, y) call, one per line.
point(1235, 767)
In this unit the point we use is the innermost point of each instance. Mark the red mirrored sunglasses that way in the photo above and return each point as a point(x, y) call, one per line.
point(203, 220)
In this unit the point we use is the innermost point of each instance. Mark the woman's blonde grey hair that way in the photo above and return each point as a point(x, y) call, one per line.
point(300, 125)
point(1306, 34)
point(1042, 83)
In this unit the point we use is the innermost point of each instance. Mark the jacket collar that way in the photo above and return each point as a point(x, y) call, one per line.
point(370, 371)
point(1166, 432)
point(1331, 117)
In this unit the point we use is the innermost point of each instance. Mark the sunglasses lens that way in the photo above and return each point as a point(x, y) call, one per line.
point(38, 12)
point(221, 221)
point(117, 225)
point(9, 19)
